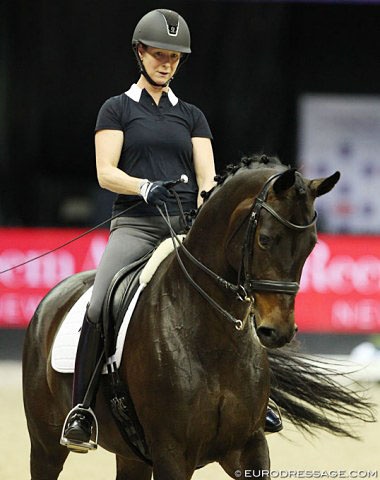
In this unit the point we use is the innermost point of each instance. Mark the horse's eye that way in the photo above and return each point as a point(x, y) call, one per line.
point(264, 241)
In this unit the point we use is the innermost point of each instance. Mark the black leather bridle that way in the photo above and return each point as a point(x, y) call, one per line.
point(250, 284)
point(246, 285)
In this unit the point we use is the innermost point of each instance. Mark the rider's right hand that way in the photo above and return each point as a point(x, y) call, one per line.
point(155, 193)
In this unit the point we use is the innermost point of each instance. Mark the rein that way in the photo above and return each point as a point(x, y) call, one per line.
point(246, 286)
point(224, 283)
point(62, 245)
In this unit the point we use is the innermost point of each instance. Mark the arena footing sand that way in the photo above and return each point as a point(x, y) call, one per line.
point(292, 454)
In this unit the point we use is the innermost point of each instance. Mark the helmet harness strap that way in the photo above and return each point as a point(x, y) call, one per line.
point(145, 73)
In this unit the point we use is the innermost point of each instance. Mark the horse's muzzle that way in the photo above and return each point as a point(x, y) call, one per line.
point(273, 338)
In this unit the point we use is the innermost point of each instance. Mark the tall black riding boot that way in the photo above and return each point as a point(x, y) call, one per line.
point(78, 426)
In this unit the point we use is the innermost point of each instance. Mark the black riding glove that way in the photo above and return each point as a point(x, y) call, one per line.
point(155, 193)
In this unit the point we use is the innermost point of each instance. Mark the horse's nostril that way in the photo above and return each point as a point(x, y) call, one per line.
point(266, 332)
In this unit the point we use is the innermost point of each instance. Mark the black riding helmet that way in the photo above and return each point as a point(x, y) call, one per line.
point(164, 29)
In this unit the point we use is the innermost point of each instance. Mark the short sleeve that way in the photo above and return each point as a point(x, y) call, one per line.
point(200, 126)
point(110, 115)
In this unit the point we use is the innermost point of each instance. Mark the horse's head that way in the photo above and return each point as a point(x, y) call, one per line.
point(271, 232)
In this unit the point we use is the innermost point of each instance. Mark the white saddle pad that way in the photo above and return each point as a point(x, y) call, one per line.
point(67, 338)
point(66, 341)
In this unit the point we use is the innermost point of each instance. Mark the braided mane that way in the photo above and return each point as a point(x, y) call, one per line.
point(250, 162)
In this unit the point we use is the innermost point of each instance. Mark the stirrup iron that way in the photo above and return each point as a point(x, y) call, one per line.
point(77, 446)
point(272, 405)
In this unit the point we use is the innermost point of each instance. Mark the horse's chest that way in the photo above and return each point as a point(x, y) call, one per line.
point(231, 384)
point(227, 417)
point(236, 392)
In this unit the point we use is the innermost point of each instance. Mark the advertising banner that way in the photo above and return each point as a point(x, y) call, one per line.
point(340, 288)
point(22, 288)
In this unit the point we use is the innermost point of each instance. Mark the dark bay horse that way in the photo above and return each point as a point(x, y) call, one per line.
point(196, 356)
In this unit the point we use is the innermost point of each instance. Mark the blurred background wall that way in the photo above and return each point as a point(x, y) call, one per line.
point(250, 64)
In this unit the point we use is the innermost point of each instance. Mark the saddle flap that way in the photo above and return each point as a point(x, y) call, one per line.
point(122, 289)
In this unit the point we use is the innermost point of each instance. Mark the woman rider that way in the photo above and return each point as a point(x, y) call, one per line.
point(144, 137)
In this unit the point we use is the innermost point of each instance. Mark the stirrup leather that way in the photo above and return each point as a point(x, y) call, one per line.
point(76, 445)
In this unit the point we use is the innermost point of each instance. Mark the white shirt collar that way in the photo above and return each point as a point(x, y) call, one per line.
point(135, 94)
point(172, 98)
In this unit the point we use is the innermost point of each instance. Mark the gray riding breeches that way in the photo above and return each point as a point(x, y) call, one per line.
point(130, 239)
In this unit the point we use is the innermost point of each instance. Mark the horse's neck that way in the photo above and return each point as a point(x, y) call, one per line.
point(208, 241)
point(191, 309)
point(206, 238)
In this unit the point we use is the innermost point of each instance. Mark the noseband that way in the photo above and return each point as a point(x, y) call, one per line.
point(251, 285)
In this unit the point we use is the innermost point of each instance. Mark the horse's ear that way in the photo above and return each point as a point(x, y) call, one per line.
point(321, 186)
point(284, 181)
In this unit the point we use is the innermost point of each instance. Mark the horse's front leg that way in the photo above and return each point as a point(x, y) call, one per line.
point(252, 461)
point(170, 464)
point(255, 459)
point(128, 469)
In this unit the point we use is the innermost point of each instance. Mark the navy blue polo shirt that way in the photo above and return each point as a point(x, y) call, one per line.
point(157, 143)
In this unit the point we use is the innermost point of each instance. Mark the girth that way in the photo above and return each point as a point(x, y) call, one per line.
point(119, 294)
